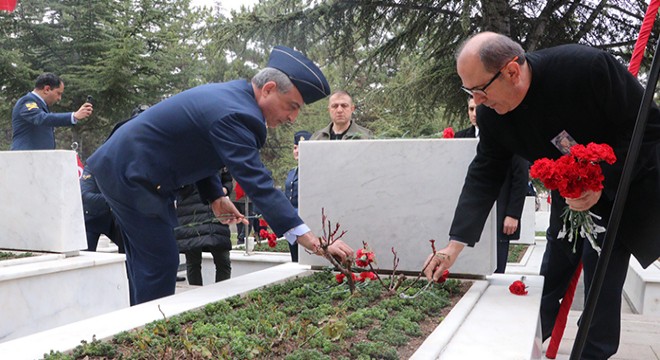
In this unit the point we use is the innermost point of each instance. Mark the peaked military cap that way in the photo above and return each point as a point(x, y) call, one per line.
point(301, 135)
point(304, 74)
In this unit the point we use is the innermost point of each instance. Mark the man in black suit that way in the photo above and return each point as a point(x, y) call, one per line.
point(511, 199)
point(579, 93)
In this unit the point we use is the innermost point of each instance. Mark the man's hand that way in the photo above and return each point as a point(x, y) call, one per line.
point(84, 111)
point(588, 199)
point(443, 259)
point(510, 225)
point(225, 210)
point(338, 249)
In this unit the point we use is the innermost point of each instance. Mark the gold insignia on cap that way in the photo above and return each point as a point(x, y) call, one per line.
point(31, 105)
point(301, 138)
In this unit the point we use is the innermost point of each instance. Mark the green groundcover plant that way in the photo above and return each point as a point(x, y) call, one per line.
point(4, 255)
point(262, 246)
point(312, 317)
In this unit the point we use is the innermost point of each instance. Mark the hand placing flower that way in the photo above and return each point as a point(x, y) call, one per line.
point(443, 278)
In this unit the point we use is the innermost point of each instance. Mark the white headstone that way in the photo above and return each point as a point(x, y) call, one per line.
point(42, 209)
point(392, 194)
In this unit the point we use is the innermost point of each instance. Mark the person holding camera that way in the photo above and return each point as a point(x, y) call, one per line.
point(32, 121)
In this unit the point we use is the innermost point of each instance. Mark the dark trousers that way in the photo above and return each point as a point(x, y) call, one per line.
point(502, 256)
point(558, 266)
point(294, 251)
point(114, 235)
point(194, 266)
point(152, 255)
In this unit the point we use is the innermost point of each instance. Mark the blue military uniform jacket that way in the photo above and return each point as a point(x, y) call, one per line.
point(291, 187)
point(32, 124)
point(98, 216)
point(186, 140)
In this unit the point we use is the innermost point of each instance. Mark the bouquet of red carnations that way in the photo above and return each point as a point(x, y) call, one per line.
point(572, 174)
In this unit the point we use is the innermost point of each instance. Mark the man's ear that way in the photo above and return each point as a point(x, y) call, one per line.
point(268, 87)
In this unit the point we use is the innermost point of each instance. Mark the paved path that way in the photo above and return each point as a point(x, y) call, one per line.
point(640, 335)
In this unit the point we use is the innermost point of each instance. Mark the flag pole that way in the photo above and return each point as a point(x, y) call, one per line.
point(617, 209)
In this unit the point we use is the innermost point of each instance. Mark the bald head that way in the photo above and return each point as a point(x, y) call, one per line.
point(493, 50)
point(492, 68)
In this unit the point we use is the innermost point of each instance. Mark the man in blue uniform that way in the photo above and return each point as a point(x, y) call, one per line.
point(31, 120)
point(187, 139)
point(291, 185)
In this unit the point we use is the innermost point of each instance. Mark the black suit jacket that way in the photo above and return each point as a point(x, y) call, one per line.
point(511, 199)
point(589, 94)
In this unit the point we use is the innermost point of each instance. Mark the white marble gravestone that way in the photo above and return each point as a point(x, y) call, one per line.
point(42, 212)
point(392, 194)
point(42, 206)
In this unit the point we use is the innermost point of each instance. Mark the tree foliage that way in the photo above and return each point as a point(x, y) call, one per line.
point(396, 57)
point(123, 53)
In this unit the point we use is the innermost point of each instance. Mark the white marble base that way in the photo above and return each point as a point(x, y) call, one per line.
point(50, 290)
point(392, 194)
point(42, 206)
point(642, 288)
point(242, 263)
point(480, 326)
point(484, 314)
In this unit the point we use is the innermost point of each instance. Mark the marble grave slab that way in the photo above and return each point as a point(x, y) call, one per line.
point(396, 193)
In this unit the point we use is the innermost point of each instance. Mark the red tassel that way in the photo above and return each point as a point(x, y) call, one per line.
point(8, 5)
point(643, 37)
point(562, 316)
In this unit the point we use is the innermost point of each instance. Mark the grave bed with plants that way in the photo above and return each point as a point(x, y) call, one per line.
point(312, 317)
point(8, 255)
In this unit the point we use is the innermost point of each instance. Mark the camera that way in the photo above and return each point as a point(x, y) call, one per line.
point(90, 99)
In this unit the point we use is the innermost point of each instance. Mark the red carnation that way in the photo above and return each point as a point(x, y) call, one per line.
point(340, 278)
point(367, 275)
point(364, 257)
point(518, 288)
point(572, 174)
point(448, 133)
point(443, 278)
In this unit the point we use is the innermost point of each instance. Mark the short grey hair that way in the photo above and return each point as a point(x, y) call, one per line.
point(267, 74)
point(497, 51)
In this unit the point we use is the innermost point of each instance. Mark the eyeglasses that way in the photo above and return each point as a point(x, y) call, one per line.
point(482, 90)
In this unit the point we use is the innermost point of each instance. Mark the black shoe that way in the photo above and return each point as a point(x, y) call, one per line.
point(240, 242)
point(180, 278)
